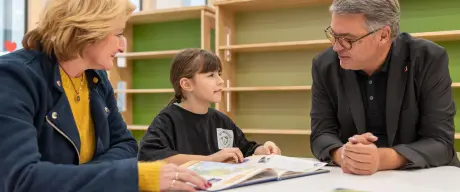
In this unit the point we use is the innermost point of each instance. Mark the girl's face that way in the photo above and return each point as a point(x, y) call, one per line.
point(207, 87)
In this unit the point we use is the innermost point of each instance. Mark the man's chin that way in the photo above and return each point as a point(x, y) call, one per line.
point(347, 65)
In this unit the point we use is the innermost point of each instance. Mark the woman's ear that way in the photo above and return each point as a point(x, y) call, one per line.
point(186, 84)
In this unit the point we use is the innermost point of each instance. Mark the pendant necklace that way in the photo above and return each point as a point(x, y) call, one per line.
point(77, 96)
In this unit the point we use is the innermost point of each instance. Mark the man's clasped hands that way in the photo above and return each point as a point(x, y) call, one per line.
point(361, 156)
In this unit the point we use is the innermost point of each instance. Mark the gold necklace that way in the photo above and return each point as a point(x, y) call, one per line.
point(77, 97)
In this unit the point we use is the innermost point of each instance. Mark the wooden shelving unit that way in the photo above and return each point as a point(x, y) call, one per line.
point(141, 76)
point(267, 47)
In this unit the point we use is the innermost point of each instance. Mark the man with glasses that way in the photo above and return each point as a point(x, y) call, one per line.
point(381, 99)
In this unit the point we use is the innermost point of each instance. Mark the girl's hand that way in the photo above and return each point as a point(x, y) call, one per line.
point(267, 149)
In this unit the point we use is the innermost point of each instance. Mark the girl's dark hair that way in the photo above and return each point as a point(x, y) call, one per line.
point(189, 62)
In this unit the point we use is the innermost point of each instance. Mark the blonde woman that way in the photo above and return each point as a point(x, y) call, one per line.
point(60, 129)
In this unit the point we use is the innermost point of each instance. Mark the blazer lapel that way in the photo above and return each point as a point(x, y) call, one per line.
point(355, 101)
point(396, 85)
point(60, 115)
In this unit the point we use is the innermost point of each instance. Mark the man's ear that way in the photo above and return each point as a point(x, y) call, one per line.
point(186, 84)
point(385, 34)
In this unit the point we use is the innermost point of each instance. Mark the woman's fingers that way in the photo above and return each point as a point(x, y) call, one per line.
point(191, 177)
point(177, 185)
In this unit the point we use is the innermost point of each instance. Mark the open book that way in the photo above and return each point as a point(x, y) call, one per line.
point(255, 169)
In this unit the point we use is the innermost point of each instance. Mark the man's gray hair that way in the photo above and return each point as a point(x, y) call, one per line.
point(378, 13)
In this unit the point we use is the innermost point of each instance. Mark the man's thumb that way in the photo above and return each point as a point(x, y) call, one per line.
point(370, 137)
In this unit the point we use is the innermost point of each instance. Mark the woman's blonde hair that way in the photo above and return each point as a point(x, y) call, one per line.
point(66, 27)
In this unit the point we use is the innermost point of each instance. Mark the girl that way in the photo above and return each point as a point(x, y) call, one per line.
point(188, 129)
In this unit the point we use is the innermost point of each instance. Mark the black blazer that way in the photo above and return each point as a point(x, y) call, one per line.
point(419, 110)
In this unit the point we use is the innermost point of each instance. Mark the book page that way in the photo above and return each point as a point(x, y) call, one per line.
point(266, 175)
point(284, 164)
point(223, 175)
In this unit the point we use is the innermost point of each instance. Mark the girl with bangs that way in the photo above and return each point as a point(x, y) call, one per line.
point(187, 128)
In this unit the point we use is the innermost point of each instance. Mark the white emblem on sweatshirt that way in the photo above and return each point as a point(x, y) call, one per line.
point(224, 138)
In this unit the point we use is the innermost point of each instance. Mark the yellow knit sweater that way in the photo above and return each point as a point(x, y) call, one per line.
point(149, 179)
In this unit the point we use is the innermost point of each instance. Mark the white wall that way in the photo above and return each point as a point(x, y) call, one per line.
point(193, 2)
point(168, 4)
point(138, 4)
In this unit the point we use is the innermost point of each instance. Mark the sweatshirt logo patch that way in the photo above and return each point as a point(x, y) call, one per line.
point(224, 138)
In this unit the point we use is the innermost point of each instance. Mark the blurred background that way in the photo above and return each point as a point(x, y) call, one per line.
point(266, 47)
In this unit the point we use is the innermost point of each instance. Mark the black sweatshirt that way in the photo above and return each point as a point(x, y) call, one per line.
point(176, 130)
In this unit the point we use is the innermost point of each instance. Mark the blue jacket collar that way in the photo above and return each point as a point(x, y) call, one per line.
point(93, 78)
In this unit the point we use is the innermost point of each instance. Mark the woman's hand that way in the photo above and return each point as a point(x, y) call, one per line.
point(174, 178)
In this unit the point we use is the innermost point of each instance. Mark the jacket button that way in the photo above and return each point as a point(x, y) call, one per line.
point(54, 115)
point(58, 83)
point(106, 109)
point(95, 80)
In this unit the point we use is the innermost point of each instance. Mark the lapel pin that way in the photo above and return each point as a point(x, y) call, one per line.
point(405, 69)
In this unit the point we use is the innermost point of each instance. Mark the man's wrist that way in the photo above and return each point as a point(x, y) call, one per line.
point(335, 154)
point(389, 159)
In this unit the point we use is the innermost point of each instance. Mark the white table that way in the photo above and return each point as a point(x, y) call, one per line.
point(441, 179)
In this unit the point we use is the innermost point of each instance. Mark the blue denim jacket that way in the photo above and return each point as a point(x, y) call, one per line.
point(39, 140)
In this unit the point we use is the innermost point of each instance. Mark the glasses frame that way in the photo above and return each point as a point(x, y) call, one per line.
point(327, 32)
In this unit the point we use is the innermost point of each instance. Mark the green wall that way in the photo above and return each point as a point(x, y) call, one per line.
point(154, 73)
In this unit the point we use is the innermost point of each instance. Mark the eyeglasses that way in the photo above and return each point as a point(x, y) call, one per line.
point(344, 42)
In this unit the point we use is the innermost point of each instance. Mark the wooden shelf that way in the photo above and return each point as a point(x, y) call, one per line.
point(145, 91)
point(246, 131)
point(162, 15)
point(138, 127)
point(257, 131)
point(252, 5)
point(324, 43)
point(269, 88)
point(279, 46)
point(236, 89)
point(149, 54)
point(277, 131)
point(453, 35)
